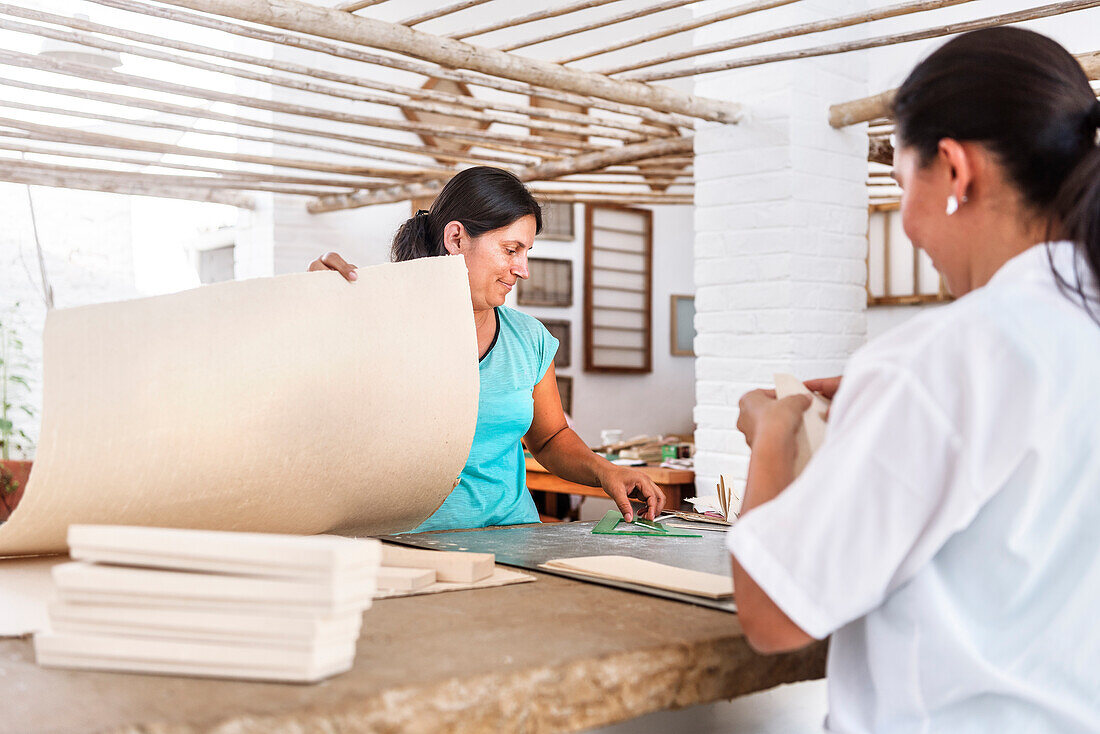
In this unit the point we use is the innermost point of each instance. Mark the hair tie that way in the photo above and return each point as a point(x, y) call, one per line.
point(424, 212)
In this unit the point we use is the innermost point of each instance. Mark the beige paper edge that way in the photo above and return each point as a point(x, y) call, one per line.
point(812, 432)
point(646, 573)
point(500, 577)
point(26, 589)
point(297, 404)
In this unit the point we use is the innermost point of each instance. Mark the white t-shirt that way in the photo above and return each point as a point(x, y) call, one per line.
point(947, 532)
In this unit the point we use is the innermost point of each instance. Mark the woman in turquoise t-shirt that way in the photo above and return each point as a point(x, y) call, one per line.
point(490, 218)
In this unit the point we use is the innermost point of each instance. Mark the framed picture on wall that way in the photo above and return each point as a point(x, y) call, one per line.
point(898, 274)
point(557, 221)
point(682, 323)
point(550, 283)
point(618, 289)
point(565, 391)
point(562, 331)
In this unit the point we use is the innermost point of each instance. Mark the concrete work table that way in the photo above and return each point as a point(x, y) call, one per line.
point(553, 655)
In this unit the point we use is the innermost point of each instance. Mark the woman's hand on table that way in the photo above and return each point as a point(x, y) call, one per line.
point(333, 261)
point(618, 482)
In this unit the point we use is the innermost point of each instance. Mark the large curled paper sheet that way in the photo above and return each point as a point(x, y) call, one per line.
point(297, 404)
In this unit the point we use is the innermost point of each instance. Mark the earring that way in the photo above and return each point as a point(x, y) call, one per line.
point(953, 204)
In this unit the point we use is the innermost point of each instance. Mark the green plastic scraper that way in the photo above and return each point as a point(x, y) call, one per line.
point(613, 524)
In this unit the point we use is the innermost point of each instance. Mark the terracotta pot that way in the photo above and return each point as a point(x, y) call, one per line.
point(13, 481)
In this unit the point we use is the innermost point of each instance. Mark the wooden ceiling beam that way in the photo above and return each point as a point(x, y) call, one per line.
point(554, 11)
point(542, 172)
point(703, 20)
point(794, 31)
point(427, 100)
point(429, 71)
point(358, 5)
point(441, 12)
point(310, 86)
point(879, 105)
point(503, 141)
point(293, 15)
point(601, 23)
point(614, 198)
point(1044, 11)
point(200, 113)
point(53, 133)
point(350, 183)
point(20, 173)
point(160, 180)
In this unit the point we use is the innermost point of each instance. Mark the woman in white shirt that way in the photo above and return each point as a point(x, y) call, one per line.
point(947, 533)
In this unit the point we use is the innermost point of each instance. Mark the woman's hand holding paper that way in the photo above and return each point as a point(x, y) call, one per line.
point(333, 261)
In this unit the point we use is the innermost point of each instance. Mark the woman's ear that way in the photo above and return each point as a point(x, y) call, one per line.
point(957, 157)
point(455, 240)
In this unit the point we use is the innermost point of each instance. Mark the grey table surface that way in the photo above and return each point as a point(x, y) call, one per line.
point(529, 546)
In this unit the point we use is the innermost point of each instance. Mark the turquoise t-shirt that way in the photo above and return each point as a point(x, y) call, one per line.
point(492, 489)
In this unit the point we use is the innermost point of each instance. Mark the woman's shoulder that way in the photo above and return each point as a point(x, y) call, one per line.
point(969, 341)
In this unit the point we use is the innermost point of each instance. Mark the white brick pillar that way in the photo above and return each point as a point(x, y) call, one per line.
point(780, 236)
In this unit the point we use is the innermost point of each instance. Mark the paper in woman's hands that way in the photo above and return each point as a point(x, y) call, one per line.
point(298, 404)
point(812, 432)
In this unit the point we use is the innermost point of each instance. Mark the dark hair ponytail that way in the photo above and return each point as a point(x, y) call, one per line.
point(481, 198)
point(1026, 99)
point(1078, 210)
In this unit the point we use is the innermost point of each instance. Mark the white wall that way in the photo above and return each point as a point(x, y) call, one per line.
point(659, 402)
point(655, 403)
point(780, 238)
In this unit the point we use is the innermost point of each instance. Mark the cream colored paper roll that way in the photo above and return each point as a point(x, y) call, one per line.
point(296, 404)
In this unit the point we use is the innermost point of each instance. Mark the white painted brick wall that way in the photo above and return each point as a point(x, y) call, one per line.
point(781, 216)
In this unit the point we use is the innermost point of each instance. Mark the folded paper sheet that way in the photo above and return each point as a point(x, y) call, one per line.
point(646, 573)
point(297, 404)
point(812, 432)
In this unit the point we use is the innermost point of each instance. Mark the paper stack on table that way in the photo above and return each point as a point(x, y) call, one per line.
point(209, 603)
point(410, 571)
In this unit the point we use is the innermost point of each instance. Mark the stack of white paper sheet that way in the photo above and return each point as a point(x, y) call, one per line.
point(209, 603)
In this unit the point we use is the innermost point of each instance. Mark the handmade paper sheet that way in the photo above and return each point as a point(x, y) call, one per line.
point(811, 434)
point(296, 404)
point(646, 573)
